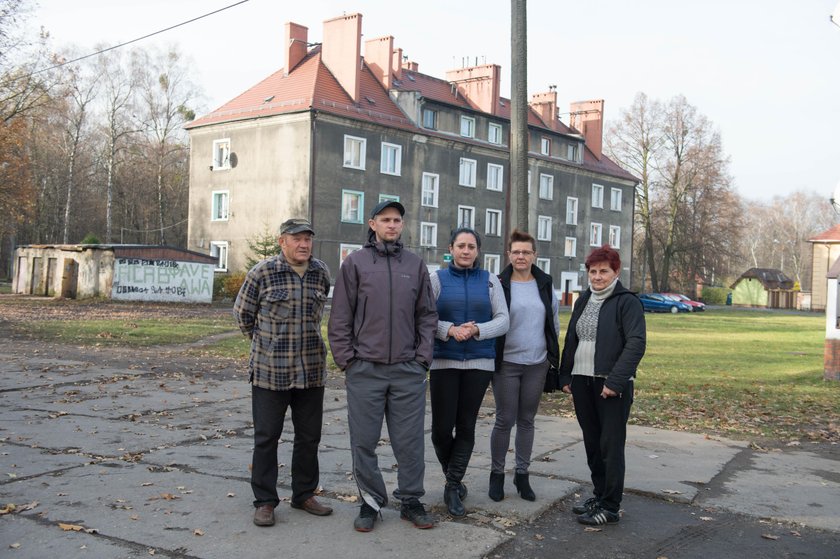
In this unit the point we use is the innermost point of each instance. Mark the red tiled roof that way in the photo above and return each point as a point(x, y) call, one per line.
point(832, 234)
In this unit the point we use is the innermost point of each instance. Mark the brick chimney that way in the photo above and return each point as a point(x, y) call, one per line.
point(588, 118)
point(378, 56)
point(396, 64)
point(296, 39)
point(479, 84)
point(342, 51)
point(545, 105)
point(411, 66)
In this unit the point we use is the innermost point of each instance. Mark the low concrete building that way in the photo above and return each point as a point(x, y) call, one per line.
point(764, 287)
point(122, 272)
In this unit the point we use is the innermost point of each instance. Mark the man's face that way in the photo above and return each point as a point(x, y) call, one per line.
point(296, 248)
point(387, 225)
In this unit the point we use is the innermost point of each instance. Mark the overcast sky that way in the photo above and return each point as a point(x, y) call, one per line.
point(766, 72)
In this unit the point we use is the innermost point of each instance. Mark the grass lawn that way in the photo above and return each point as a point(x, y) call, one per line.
point(133, 332)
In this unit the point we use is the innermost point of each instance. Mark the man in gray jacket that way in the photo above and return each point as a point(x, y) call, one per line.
point(381, 331)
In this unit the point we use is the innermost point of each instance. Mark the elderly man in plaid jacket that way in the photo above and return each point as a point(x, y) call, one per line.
point(279, 307)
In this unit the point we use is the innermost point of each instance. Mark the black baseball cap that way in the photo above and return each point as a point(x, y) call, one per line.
point(387, 204)
point(296, 225)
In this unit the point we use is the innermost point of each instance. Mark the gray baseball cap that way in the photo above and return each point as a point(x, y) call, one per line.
point(296, 225)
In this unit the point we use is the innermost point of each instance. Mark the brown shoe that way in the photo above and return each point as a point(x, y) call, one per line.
point(264, 515)
point(312, 506)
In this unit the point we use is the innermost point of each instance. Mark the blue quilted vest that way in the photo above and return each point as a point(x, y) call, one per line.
point(464, 297)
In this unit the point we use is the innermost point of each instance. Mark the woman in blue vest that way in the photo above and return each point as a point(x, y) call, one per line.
point(471, 313)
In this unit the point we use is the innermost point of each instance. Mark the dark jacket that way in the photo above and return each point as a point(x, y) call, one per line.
point(464, 297)
point(383, 309)
point(619, 343)
point(545, 285)
point(281, 313)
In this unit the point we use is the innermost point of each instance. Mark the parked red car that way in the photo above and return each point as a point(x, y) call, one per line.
point(696, 306)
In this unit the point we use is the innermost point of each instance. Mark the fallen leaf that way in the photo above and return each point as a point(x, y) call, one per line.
point(134, 517)
point(198, 532)
point(151, 552)
point(706, 518)
point(539, 537)
point(348, 498)
point(146, 484)
point(70, 527)
point(14, 545)
point(10, 507)
point(591, 529)
point(672, 492)
point(231, 494)
point(795, 533)
point(769, 537)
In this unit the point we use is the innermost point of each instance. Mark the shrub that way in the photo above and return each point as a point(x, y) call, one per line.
point(232, 283)
point(714, 295)
point(90, 239)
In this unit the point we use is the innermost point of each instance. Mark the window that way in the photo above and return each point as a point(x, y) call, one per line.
point(221, 154)
point(529, 182)
point(354, 152)
point(466, 217)
point(546, 187)
point(571, 211)
point(219, 249)
point(544, 264)
point(429, 196)
point(543, 228)
point(615, 199)
point(492, 263)
point(430, 119)
point(615, 236)
point(428, 234)
point(595, 234)
point(570, 248)
point(494, 133)
point(389, 198)
point(344, 250)
point(545, 146)
point(597, 196)
point(493, 223)
point(494, 176)
point(391, 159)
point(571, 152)
point(220, 205)
point(467, 127)
point(352, 206)
point(466, 176)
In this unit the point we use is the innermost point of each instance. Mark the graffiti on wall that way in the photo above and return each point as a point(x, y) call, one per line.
point(139, 279)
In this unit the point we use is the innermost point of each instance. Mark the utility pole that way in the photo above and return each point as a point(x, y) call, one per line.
point(518, 115)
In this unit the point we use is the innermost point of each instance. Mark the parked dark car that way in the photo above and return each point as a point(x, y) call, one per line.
point(655, 302)
point(696, 306)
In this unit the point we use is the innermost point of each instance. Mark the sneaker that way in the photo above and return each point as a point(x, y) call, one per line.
point(586, 506)
point(415, 512)
point(598, 516)
point(367, 516)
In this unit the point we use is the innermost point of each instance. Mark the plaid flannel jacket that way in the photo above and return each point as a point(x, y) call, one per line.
point(281, 313)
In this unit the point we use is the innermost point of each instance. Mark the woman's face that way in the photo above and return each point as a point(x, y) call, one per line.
point(601, 275)
point(521, 255)
point(464, 250)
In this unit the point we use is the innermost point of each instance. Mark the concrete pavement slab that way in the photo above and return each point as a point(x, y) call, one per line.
point(18, 462)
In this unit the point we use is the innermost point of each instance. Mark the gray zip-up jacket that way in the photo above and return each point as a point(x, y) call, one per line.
point(383, 309)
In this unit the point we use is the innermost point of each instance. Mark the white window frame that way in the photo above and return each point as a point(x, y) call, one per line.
point(428, 234)
point(493, 223)
point(497, 172)
point(389, 197)
point(596, 231)
point(545, 145)
point(546, 187)
point(391, 165)
point(571, 152)
point(615, 199)
point(467, 178)
point(221, 154)
point(361, 205)
point(461, 222)
point(571, 210)
point(430, 188)
point(570, 247)
point(615, 236)
point(467, 126)
point(344, 250)
point(355, 150)
point(529, 181)
point(218, 213)
point(220, 250)
point(544, 264)
point(544, 227)
point(597, 195)
point(430, 125)
point(494, 133)
point(492, 263)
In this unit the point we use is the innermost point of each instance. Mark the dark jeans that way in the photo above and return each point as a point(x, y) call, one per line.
point(456, 397)
point(269, 410)
point(604, 425)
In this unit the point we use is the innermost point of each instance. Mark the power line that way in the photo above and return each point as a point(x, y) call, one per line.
point(97, 53)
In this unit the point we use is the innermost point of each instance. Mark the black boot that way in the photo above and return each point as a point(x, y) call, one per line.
point(497, 486)
point(523, 486)
point(453, 500)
